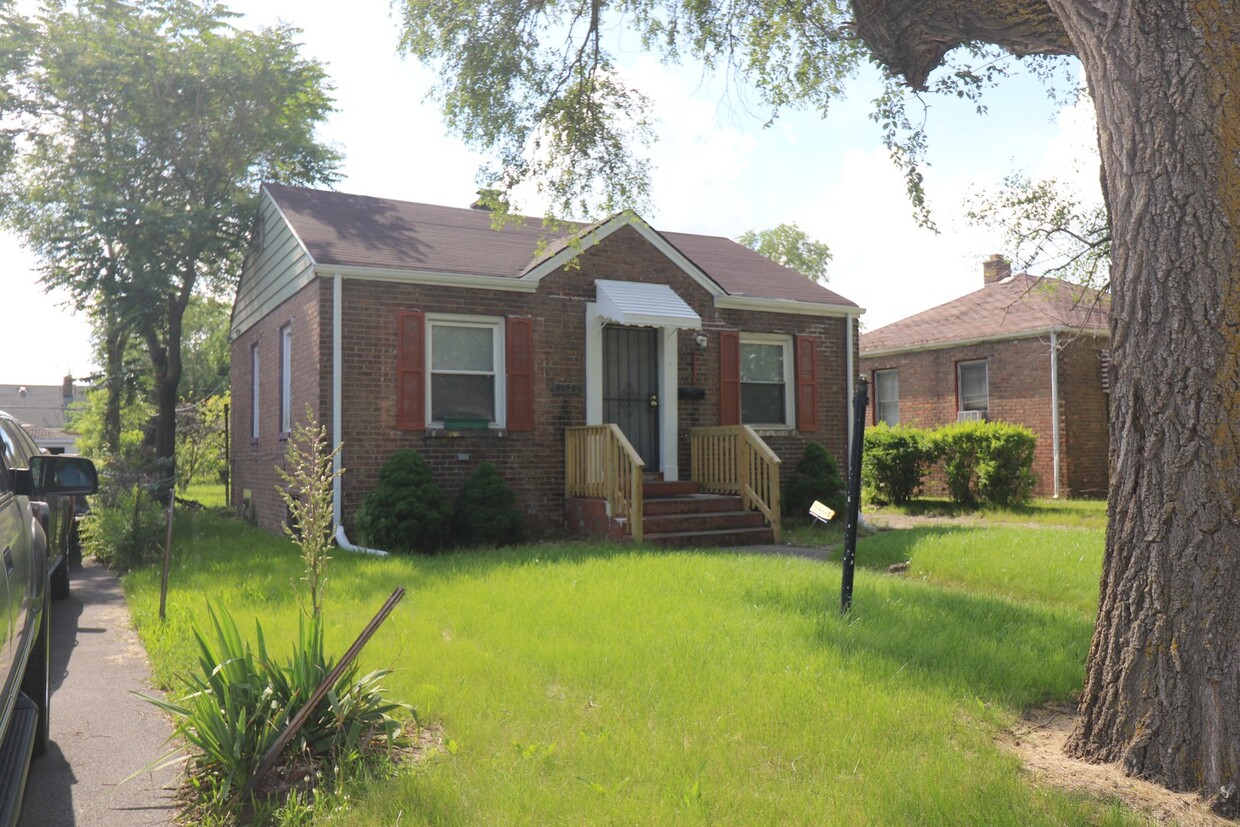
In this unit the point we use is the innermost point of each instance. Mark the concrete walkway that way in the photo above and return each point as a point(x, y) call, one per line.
point(101, 732)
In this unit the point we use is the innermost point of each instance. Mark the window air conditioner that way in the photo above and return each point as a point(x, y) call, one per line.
point(970, 416)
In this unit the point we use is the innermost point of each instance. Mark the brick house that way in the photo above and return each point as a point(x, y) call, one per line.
point(408, 325)
point(1027, 350)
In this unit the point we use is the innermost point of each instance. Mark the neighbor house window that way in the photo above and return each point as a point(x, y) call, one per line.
point(465, 362)
point(887, 396)
point(766, 380)
point(973, 386)
point(286, 379)
point(254, 391)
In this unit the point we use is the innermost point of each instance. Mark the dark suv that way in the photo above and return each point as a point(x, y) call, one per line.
point(58, 512)
point(25, 610)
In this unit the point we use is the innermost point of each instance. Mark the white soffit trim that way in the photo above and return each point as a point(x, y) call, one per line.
point(511, 285)
point(981, 340)
point(785, 306)
point(639, 304)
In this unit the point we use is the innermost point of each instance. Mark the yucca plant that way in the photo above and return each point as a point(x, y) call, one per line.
point(242, 699)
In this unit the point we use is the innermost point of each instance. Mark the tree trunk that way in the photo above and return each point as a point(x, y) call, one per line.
point(1162, 686)
point(114, 343)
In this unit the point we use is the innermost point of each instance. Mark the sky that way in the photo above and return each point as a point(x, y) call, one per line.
point(716, 170)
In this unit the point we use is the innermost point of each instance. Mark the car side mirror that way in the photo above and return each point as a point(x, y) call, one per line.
point(58, 474)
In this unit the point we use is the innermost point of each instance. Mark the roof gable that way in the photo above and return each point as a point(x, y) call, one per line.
point(360, 233)
point(1021, 305)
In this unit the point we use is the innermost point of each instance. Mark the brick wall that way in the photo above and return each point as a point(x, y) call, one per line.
point(254, 460)
point(532, 461)
point(1085, 412)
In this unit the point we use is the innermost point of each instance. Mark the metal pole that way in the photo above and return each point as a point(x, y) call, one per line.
point(860, 399)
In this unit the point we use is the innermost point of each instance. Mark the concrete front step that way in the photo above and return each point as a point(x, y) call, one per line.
point(709, 539)
point(701, 522)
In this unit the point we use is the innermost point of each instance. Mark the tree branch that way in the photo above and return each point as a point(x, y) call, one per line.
point(911, 37)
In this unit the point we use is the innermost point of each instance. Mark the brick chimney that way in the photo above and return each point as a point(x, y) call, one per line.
point(995, 269)
point(66, 388)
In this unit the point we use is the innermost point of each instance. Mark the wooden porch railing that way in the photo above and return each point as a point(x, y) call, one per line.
point(599, 461)
point(732, 459)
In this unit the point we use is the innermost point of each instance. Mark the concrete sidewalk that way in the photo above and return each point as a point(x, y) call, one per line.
point(101, 732)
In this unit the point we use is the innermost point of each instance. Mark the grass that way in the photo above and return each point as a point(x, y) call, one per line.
point(1057, 513)
point(601, 684)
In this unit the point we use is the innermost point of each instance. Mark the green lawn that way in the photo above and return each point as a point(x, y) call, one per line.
point(601, 684)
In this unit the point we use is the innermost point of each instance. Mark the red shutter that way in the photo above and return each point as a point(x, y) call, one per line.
point(807, 383)
point(411, 371)
point(729, 377)
point(519, 360)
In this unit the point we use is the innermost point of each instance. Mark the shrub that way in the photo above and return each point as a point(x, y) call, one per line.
point(1005, 471)
point(987, 462)
point(894, 463)
point(815, 477)
point(124, 531)
point(405, 511)
point(486, 512)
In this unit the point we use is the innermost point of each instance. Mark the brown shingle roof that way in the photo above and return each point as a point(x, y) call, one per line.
point(1019, 305)
point(362, 231)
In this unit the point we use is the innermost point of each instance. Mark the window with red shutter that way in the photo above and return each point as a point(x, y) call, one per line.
point(411, 371)
point(519, 361)
point(729, 377)
point(807, 383)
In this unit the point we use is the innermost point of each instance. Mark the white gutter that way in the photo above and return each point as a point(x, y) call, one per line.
point(1055, 408)
point(342, 539)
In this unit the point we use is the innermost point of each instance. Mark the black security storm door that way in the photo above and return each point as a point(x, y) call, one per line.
point(631, 387)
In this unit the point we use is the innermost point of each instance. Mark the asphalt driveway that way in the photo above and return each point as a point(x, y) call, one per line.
point(101, 732)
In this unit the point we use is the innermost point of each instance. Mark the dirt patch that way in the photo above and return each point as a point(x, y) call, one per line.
point(1038, 740)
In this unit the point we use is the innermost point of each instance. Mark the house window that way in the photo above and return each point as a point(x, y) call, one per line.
point(766, 380)
point(465, 362)
point(887, 396)
point(286, 379)
point(254, 391)
point(973, 386)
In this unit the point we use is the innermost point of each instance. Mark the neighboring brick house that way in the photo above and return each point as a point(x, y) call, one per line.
point(407, 325)
point(1028, 350)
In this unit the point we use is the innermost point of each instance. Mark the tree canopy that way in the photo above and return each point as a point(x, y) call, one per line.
point(789, 245)
point(144, 131)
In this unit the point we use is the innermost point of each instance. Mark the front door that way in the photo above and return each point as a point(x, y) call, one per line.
point(631, 387)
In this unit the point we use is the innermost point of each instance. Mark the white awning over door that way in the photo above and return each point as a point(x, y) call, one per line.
point(638, 304)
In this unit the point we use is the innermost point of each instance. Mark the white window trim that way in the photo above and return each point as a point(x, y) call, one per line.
point(286, 378)
point(879, 401)
point(498, 332)
point(960, 383)
point(790, 401)
point(255, 406)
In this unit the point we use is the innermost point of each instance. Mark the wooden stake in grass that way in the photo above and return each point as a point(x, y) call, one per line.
point(303, 714)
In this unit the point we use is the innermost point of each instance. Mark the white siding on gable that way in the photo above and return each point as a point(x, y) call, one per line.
point(275, 269)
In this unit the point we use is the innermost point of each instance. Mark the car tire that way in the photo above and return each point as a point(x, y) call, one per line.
point(59, 583)
point(36, 683)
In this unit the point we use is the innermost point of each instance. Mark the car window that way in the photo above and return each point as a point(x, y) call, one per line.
point(6, 484)
point(18, 446)
point(10, 447)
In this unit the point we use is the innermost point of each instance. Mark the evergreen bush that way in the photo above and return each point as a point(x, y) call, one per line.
point(405, 511)
point(894, 463)
point(486, 511)
point(816, 477)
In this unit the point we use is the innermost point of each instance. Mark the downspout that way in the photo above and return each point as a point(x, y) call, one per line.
point(342, 539)
point(1055, 408)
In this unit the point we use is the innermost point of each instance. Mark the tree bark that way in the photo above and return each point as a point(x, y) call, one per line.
point(1162, 686)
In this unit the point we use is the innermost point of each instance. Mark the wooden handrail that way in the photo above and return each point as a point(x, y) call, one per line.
point(733, 459)
point(599, 461)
